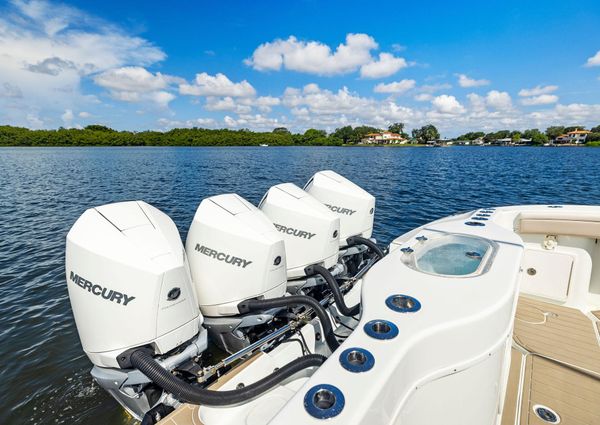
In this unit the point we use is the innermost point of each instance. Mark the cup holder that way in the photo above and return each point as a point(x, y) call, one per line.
point(357, 360)
point(474, 223)
point(403, 303)
point(381, 329)
point(324, 401)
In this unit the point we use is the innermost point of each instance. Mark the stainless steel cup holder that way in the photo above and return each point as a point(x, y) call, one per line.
point(403, 303)
point(324, 401)
point(357, 360)
point(381, 329)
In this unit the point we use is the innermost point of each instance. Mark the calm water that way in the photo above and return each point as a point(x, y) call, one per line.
point(44, 375)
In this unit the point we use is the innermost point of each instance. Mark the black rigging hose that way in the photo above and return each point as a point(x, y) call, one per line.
point(359, 240)
point(294, 300)
point(334, 288)
point(188, 393)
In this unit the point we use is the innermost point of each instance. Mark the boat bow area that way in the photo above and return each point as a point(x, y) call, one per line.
point(512, 330)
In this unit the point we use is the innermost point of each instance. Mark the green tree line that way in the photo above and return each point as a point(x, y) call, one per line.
point(99, 135)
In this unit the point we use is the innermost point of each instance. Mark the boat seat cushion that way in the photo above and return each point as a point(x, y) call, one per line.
point(559, 226)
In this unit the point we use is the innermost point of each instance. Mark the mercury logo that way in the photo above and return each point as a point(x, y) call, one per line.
point(340, 210)
point(95, 289)
point(294, 232)
point(221, 256)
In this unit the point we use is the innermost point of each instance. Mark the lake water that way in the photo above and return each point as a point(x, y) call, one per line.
point(44, 376)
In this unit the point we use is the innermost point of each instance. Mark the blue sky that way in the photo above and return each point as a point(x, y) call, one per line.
point(154, 65)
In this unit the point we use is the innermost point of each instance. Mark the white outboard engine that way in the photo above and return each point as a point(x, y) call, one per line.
point(354, 206)
point(310, 230)
point(235, 254)
point(130, 286)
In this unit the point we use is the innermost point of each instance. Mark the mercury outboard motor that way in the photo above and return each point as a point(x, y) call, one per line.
point(129, 285)
point(235, 254)
point(310, 230)
point(354, 206)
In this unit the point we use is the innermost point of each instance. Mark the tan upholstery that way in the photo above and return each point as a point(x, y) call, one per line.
point(585, 228)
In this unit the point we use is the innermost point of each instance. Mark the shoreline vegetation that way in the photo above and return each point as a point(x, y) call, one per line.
point(99, 135)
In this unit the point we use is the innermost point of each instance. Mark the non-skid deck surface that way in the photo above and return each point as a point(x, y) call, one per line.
point(574, 395)
point(560, 333)
point(562, 370)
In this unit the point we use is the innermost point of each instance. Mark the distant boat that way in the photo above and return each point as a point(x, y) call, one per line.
point(263, 145)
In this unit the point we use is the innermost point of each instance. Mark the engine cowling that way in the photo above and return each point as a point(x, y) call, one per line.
point(354, 206)
point(310, 230)
point(235, 253)
point(129, 282)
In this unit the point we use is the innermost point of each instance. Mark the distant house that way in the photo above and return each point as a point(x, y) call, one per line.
point(504, 141)
point(384, 138)
point(575, 137)
point(563, 138)
point(578, 137)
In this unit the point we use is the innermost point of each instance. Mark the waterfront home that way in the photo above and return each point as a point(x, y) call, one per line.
point(578, 137)
point(384, 138)
point(575, 137)
point(504, 141)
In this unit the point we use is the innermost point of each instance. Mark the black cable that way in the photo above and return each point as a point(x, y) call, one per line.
point(304, 341)
point(142, 359)
point(334, 288)
point(359, 240)
point(258, 305)
point(295, 340)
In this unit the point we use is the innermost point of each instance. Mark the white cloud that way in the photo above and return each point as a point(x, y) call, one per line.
point(67, 117)
point(265, 103)
point(137, 84)
point(133, 78)
point(396, 47)
point(537, 91)
point(313, 57)
point(387, 65)
point(432, 88)
point(594, 60)
point(167, 123)
point(313, 106)
point(217, 85)
point(499, 100)
point(226, 104)
point(34, 121)
point(465, 81)
point(543, 99)
point(84, 114)
point(257, 122)
point(395, 87)
point(423, 97)
point(241, 105)
point(572, 114)
point(47, 49)
point(477, 102)
point(9, 90)
point(446, 104)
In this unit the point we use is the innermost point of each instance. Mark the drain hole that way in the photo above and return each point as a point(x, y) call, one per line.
point(546, 414)
point(405, 303)
point(324, 399)
point(356, 358)
point(381, 327)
